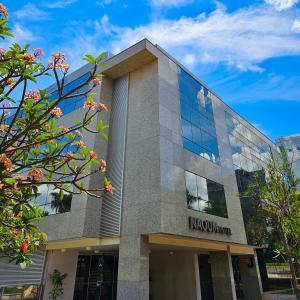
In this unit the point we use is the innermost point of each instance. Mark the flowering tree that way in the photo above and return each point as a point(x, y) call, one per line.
point(34, 150)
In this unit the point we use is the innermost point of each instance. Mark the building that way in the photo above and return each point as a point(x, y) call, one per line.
point(174, 228)
point(291, 144)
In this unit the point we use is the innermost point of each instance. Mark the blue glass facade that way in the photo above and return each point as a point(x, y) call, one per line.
point(71, 104)
point(249, 152)
point(198, 128)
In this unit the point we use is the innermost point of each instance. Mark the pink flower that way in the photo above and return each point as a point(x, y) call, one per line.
point(38, 52)
point(64, 128)
point(90, 104)
point(51, 64)
point(37, 174)
point(29, 57)
point(108, 188)
point(56, 111)
point(102, 167)
point(96, 81)
point(93, 154)
point(11, 82)
point(3, 10)
point(20, 177)
point(33, 94)
point(2, 51)
point(65, 67)
point(59, 57)
point(6, 162)
point(78, 132)
point(102, 107)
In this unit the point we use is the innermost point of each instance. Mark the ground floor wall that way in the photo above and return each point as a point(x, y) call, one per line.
point(173, 276)
point(143, 271)
point(65, 262)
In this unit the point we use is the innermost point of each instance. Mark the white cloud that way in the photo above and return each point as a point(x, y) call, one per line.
point(103, 3)
point(174, 3)
point(282, 4)
point(22, 35)
point(30, 12)
point(59, 4)
point(296, 26)
point(189, 59)
point(241, 39)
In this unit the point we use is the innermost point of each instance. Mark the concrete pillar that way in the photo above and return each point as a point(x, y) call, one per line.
point(173, 276)
point(222, 275)
point(250, 278)
point(133, 271)
point(65, 262)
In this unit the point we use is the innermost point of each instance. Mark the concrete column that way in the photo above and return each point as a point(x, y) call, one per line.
point(222, 275)
point(65, 262)
point(251, 279)
point(133, 272)
point(173, 276)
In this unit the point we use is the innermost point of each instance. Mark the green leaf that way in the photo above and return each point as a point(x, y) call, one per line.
point(89, 58)
point(23, 265)
point(100, 56)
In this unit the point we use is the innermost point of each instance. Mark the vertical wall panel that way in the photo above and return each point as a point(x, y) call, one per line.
point(12, 275)
point(111, 207)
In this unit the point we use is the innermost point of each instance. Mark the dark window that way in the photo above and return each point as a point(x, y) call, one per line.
point(205, 195)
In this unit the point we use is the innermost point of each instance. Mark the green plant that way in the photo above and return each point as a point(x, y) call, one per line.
point(57, 284)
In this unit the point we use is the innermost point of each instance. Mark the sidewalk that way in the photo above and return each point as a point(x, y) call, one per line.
point(278, 297)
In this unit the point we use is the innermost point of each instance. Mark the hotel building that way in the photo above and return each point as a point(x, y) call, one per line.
point(174, 228)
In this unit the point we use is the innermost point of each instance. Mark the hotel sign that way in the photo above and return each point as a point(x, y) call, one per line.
point(208, 226)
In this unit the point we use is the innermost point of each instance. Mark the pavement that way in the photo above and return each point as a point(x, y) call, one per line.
point(278, 297)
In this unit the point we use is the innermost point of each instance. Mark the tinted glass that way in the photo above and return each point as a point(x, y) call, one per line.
point(249, 151)
point(69, 105)
point(205, 195)
point(198, 128)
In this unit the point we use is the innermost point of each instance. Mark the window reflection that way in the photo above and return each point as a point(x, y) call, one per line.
point(249, 152)
point(205, 195)
point(72, 104)
point(198, 128)
point(51, 202)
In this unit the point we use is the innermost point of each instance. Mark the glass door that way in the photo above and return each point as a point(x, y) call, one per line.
point(96, 277)
point(237, 277)
point(206, 282)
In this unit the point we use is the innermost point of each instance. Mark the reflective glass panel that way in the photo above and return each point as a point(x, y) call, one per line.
point(205, 195)
point(198, 128)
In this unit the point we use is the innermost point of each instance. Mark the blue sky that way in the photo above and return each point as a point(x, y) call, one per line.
point(247, 51)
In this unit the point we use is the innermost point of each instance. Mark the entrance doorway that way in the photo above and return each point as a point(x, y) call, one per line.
point(96, 277)
point(206, 282)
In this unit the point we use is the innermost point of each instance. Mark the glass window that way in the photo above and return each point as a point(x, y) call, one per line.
point(198, 128)
point(216, 199)
point(49, 200)
point(196, 135)
point(185, 110)
point(205, 195)
point(187, 130)
point(68, 105)
point(191, 191)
